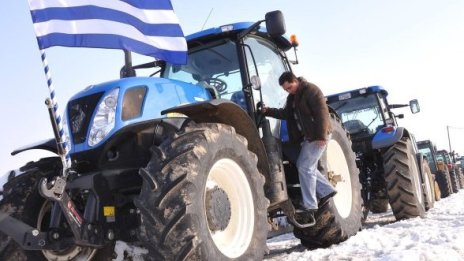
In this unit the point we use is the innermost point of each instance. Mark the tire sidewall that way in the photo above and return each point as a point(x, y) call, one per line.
point(403, 179)
point(416, 174)
point(228, 146)
point(427, 180)
point(352, 223)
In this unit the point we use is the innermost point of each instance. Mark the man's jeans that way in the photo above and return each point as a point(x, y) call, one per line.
point(313, 183)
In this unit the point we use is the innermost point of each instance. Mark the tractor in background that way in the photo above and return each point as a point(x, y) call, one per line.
point(446, 159)
point(438, 168)
point(391, 169)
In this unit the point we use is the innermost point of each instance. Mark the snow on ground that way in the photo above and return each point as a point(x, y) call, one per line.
point(438, 236)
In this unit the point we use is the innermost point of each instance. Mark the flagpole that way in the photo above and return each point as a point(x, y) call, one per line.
point(55, 117)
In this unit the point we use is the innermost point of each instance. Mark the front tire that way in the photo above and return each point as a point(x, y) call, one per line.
point(209, 202)
point(404, 186)
point(23, 201)
point(341, 217)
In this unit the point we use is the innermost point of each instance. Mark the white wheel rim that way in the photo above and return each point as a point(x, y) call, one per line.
point(428, 187)
point(234, 240)
point(338, 165)
point(417, 182)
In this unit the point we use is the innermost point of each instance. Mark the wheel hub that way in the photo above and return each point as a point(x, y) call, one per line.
point(217, 209)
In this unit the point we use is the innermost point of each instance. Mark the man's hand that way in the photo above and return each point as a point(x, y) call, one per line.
point(262, 107)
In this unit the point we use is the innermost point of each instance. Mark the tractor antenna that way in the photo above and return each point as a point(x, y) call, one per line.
point(207, 19)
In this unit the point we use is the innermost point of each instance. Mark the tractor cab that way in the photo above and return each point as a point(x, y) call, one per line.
point(234, 65)
point(429, 151)
point(363, 111)
point(366, 112)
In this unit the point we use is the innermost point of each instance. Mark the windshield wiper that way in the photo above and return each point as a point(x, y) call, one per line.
point(372, 121)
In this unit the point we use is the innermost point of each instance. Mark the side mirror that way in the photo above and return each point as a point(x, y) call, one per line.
point(275, 23)
point(400, 116)
point(414, 105)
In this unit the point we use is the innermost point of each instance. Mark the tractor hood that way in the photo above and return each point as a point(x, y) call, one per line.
point(99, 111)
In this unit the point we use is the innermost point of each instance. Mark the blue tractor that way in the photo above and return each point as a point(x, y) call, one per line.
point(183, 164)
point(392, 171)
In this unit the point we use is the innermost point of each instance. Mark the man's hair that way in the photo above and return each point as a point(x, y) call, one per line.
point(287, 77)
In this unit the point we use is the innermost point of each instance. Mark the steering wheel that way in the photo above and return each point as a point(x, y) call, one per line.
point(218, 84)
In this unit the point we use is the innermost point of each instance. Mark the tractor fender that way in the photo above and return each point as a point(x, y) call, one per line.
point(48, 145)
point(227, 112)
point(385, 139)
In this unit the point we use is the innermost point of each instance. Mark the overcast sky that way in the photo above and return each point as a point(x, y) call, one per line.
point(414, 49)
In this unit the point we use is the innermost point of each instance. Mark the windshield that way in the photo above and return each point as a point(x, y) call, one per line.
point(428, 153)
point(213, 66)
point(360, 114)
point(441, 156)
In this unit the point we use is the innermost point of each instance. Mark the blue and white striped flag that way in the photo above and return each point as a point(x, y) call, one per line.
point(148, 27)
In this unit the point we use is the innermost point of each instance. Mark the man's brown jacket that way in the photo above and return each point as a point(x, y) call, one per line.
point(312, 112)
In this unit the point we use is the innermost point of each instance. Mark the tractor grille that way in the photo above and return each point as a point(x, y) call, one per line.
point(80, 112)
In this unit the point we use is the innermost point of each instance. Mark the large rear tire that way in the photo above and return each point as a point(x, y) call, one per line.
point(458, 172)
point(378, 205)
point(23, 201)
point(444, 182)
point(404, 186)
point(203, 198)
point(461, 177)
point(341, 217)
point(454, 180)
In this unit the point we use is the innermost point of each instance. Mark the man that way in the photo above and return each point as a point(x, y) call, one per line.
point(308, 124)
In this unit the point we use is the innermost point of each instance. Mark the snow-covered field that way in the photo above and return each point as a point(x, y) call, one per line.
point(438, 236)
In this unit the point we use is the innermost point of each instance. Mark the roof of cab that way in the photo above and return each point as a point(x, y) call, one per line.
point(282, 41)
point(357, 92)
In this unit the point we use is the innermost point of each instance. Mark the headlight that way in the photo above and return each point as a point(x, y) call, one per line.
point(104, 120)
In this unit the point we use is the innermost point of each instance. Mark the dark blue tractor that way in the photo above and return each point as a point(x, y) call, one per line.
point(183, 164)
point(391, 168)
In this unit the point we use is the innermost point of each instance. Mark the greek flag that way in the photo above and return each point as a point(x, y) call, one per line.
point(148, 27)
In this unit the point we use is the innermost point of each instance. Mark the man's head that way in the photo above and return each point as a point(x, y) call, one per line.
point(289, 82)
